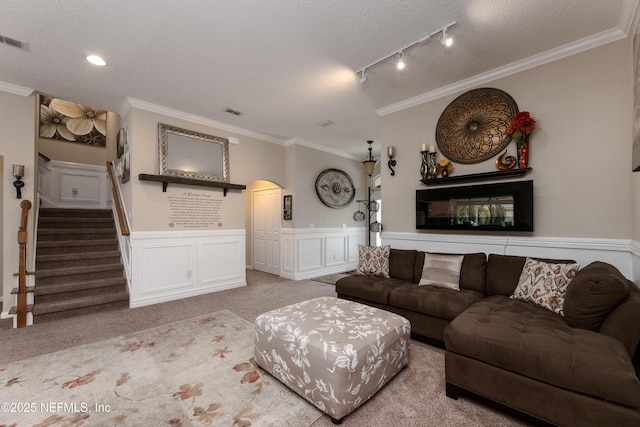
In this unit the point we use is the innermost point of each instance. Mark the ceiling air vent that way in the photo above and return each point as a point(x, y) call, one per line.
point(234, 112)
point(13, 42)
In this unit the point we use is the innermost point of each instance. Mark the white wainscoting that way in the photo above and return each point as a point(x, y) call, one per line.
point(73, 185)
point(635, 255)
point(617, 252)
point(171, 265)
point(313, 252)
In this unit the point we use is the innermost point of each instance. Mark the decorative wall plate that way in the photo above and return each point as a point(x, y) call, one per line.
point(471, 128)
point(335, 188)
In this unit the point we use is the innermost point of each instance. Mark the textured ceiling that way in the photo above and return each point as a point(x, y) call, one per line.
point(288, 65)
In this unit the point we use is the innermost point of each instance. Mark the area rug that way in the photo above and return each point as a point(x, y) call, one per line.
point(195, 372)
point(331, 279)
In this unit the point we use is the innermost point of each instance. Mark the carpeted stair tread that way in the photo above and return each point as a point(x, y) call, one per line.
point(70, 271)
point(68, 243)
point(66, 223)
point(59, 288)
point(75, 233)
point(78, 303)
point(80, 213)
point(76, 256)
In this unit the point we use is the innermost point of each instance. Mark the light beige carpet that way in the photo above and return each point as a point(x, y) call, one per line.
point(194, 372)
point(331, 279)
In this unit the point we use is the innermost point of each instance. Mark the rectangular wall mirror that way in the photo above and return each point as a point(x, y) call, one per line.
point(187, 154)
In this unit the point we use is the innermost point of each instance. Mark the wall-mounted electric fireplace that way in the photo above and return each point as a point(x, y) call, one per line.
point(487, 207)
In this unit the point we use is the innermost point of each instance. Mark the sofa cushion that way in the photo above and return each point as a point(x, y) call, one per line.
point(432, 301)
point(544, 284)
point(503, 272)
point(401, 262)
point(538, 344)
point(442, 271)
point(592, 294)
point(368, 288)
point(473, 274)
point(373, 260)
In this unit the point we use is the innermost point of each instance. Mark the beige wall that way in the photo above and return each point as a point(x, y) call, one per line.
point(251, 160)
point(307, 163)
point(580, 152)
point(17, 147)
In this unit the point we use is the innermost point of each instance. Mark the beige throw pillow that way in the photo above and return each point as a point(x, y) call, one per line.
point(442, 270)
point(373, 260)
point(544, 284)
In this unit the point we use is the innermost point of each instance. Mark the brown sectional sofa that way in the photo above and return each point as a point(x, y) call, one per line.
point(574, 370)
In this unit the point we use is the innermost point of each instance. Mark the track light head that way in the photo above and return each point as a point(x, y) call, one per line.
point(401, 64)
point(446, 41)
point(363, 75)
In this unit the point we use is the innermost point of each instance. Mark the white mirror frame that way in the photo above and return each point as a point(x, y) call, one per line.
point(188, 154)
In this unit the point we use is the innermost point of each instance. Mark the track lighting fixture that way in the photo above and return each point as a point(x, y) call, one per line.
point(445, 39)
point(400, 65)
point(363, 75)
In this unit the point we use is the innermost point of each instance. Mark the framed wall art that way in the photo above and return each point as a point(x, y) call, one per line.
point(69, 122)
point(287, 210)
point(121, 141)
point(125, 161)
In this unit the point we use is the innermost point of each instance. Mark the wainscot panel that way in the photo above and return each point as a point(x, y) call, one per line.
point(172, 265)
point(616, 252)
point(72, 185)
point(308, 253)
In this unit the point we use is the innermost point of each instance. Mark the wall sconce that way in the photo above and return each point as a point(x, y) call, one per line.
point(18, 173)
point(391, 152)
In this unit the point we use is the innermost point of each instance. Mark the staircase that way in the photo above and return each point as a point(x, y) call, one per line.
point(78, 267)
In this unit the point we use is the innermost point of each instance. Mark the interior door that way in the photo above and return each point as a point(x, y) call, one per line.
point(266, 230)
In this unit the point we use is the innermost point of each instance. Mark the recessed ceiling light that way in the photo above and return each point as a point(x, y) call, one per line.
point(96, 60)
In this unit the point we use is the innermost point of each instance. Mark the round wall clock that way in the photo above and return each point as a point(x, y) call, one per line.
point(335, 188)
point(471, 128)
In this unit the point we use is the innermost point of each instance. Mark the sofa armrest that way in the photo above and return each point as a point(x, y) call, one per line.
point(623, 323)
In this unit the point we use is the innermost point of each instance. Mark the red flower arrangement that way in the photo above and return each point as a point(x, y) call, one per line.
point(522, 124)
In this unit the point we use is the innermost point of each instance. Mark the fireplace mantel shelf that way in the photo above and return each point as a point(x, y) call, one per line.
point(165, 180)
point(474, 177)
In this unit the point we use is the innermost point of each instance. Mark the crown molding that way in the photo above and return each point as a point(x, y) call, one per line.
point(15, 89)
point(300, 141)
point(130, 103)
point(513, 68)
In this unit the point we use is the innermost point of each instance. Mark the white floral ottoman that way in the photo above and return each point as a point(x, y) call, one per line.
point(335, 353)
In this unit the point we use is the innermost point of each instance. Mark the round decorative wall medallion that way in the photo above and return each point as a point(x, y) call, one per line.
point(471, 128)
point(335, 188)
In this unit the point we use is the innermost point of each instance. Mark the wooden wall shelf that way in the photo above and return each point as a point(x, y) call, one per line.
point(165, 180)
point(475, 177)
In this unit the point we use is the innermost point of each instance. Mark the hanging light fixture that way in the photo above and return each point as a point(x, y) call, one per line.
point(370, 163)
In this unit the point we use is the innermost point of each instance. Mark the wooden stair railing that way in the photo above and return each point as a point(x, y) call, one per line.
point(124, 229)
point(21, 291)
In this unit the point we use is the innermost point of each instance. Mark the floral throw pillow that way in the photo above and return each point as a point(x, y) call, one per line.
point(373, 260)
point(545, 284)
